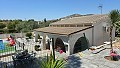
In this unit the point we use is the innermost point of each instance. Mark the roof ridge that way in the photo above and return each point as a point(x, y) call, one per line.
point(81, 19)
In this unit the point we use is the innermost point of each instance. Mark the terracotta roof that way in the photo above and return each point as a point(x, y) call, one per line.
point(82, 19)
point(62, 30)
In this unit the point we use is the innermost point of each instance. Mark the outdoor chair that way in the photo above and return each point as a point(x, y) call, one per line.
point(17, 63)
point(23, 59)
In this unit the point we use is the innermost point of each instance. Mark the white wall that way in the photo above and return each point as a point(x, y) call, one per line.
point(95, 35)
point(74, 37)
point(100, 35)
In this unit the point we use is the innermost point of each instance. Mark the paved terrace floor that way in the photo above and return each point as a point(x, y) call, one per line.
point(89, 60)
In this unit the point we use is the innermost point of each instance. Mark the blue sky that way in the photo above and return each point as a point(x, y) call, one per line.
point(52, 9)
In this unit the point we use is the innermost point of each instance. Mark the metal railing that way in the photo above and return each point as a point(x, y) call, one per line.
point(21, 44)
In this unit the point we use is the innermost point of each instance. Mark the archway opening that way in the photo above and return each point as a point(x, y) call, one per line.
point(59, 45)
point(81, 44)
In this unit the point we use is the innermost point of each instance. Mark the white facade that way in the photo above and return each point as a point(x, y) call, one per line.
point(96, 35)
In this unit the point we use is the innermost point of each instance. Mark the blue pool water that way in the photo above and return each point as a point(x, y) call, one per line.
point(1, 45)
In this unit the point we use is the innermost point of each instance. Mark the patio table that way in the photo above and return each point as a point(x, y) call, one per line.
point(22, 60)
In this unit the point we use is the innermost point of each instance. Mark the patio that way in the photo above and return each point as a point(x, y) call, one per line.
point(8, 61)
point(89, 60)
point(84, 59)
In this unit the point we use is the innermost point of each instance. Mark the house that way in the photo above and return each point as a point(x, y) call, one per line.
point(76, 34)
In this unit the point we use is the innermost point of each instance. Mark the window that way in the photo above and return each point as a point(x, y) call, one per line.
point(106, 29)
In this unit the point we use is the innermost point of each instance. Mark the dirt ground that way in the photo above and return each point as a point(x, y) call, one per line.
point(117, 43)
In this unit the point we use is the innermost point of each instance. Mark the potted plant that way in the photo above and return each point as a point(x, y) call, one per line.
point(38, 37)
point(37, 48)
point(113, 56)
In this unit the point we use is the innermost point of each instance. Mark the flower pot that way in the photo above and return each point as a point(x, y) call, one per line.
point(111, 58)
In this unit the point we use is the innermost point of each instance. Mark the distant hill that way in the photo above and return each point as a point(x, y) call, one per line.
point(73, 15)
point(53, 20)
point(70, 16)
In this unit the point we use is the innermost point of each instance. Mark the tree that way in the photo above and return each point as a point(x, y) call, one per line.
point(117, 27)
point(45, 20)
point(30, 20)
point(114, 16)
point(2, 25)
point(20, 26)
point(11, 26)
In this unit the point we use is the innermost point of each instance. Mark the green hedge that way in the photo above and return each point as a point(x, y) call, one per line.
point(7, 31)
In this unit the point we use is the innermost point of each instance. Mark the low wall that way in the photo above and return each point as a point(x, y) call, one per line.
point(16, 35)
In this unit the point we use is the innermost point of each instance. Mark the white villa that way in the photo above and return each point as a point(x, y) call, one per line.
point(76, 34)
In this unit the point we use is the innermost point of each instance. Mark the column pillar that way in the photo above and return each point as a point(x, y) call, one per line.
point(36, 36)
point(69, 52)
point(53, 50)
point(51, 44)
point(44, 41)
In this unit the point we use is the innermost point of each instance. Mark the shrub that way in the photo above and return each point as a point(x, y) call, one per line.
point(29, 35)
point(8, 31)
point(39, 36)
point(12, 31)
point(1, 31)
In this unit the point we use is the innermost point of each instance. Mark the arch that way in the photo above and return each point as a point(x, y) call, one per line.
point(81, 44)
point(59, 43)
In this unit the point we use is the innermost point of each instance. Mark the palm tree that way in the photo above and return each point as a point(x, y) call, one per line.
point(114, 16)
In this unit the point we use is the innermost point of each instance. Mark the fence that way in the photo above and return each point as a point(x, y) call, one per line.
point(21, 44)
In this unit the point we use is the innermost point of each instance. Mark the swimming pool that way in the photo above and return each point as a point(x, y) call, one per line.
point(1, 45)
point(4, 47)
point(4, 41)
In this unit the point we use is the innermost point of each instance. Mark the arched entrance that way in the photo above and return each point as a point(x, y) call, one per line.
point(59, 44)
point(81, 45)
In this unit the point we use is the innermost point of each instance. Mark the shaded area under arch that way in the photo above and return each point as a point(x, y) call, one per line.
point(59, 43)
point(81, 44)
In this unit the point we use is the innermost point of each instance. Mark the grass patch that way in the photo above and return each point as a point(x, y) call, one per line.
point(7, 48)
